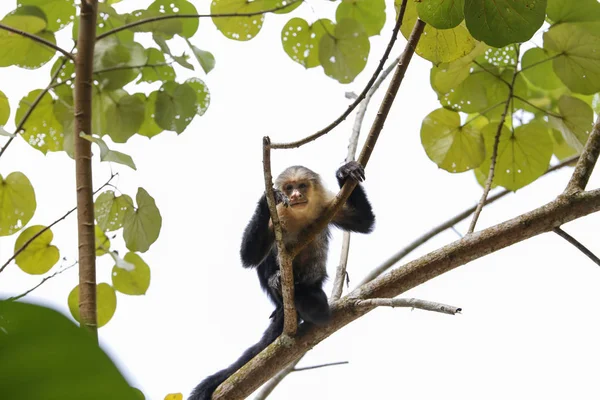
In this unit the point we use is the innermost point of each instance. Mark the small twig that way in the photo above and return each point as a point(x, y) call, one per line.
point(412, 303)
point(14, 298)
point(442, 227)
point(37, 39)
point(290, 324)
point(276, 380)
point(31, 239)
point(577, 244)
point(331, 364)
point(530, 104)
point(125, 67)
point(184, 16)
point(360, 97)
point(586, 163)
point(490, 178)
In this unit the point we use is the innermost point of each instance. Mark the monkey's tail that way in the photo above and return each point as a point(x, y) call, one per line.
point(206, 388)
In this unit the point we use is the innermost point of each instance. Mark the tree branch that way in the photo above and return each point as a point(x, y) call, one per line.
point(284, 350)
point(577, 244)
point(184, 16)
point(60, 271)
point(410, 303)
point(125, 67)
point(331, 364)
point(587, 161)
point(360, 97)
point(276, 380)
point(37, 39)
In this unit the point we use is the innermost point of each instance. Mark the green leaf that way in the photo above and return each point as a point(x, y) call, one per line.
point(142, 227)
point(124, 117)
point(189, 26)
point(522, 157)
point(202, 95)
point(573, 11)
point(578, 61)
point(501, 22)
point(500, 57)
point(166, 27)
point(157, 69)
point(66, 77)
point(301, 41)
point(576, 122)
point(39, 256)
point(44, 355)
point(344, 54)
point(115, 62)
point(562, 150)
point(42, 131)
point(109, 155)
point(175, 106)
point(451, 146)
point(59, 13)
point(108, 20)
point(21, 51)
point(437, 45)
point(110, 210)
point(442, 14)
point(133, 280)
point(239, 28)
point(4, 109)
point(537, 68)
point(29, 19)
point(106, 303)
point(369, 13)
point(446, 76)
point(101, 102)
point(205, 58)
point(279, 3)
point(102, 241)
point(17, 203)
point(183, 61)
point(149, 127)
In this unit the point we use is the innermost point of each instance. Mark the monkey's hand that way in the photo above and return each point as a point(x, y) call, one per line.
point(275, 281)
point(280, 197)
point(352, 170)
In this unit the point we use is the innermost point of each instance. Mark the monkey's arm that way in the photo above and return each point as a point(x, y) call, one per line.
point(357, 214)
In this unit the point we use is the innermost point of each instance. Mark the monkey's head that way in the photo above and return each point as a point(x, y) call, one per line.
point(302, 186)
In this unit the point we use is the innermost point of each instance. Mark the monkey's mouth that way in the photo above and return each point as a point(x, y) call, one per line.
point(300, 203)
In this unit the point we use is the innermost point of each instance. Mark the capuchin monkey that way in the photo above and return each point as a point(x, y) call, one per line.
point(301, 197)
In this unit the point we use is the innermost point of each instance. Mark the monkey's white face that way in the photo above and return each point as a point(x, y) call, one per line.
point(298, 192)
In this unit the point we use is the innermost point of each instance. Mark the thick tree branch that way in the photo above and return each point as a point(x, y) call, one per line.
point(587, 161)
point(284, 257)
point(577, 244)
point(409, 303)
point(37, 39)
point(195, 16)
point(360, 97)
point(284, 350)
point(446, 225)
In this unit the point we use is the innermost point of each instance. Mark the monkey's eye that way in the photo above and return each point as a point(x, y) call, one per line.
point(288, 188)
point(302, 186)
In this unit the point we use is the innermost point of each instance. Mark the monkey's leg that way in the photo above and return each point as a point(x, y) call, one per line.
point(311, 303)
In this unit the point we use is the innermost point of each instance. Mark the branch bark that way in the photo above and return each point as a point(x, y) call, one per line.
point(83, 165)
point(409, 303)
point(587, 161)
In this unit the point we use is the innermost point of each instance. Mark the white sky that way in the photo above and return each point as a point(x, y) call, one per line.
point(529, 328)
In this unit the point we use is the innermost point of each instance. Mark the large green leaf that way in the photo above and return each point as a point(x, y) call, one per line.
point(537, 68)
point(447, 76)
point(451, 146)
point(578, 61)
point(175, 106)
point(523, 156)
point(239, 28)
point(576, 122)
point(106, 303)
point(110, 210)
point(442, 14)
point(59, 13)
point(17, 203)
point(573, 11)
point(43, 355)
point(437, 45)
point(189, 26)
point(39, 255)
point(142, 226)
point(301, 41)
point(134, 279)
point(501, 22)
point(4, 109)
point(344, 54)
point(42, 131)
point(369, 13)
point(124, 117)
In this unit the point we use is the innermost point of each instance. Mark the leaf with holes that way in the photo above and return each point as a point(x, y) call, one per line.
point(301, 41)
point(451, 146)
point(149, 127)
point(442, 14)
point(522, 157)
point(142, 227)
point(106, 303)
point(17, 203)
point(133, 281)
point(59, 13)
point(576, 122)
point(42, 130)
point(175, 106)
point(189, 26)
point(446, 76)
point(166, 27)
point(239, 28)
point(202, 95)
point(578, 60)
point(369, 13)
point(110, 210)
point(39, 255)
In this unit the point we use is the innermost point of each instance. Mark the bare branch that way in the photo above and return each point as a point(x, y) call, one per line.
point(490, 178)
point(195, 16)
point(577, 244)
point(587, 161)
point(331, 364)
point(60, 271)
point(410, 303)
point(285, 259)
point(442, 227)
point(125, 67)
point(38, 39)
point(360, 97)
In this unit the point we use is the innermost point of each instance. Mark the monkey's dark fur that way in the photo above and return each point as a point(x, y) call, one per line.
point(301, 197)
